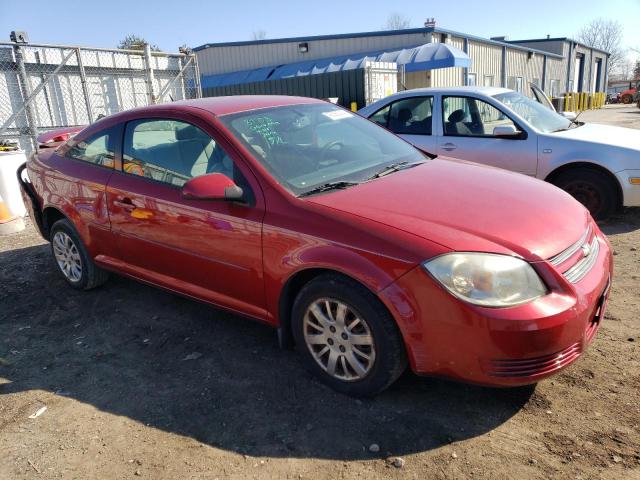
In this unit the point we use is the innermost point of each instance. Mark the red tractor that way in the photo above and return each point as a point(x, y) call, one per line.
point(626, 96)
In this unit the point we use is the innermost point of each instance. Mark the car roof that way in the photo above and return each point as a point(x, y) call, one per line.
point(454, 90)
point(230, 104)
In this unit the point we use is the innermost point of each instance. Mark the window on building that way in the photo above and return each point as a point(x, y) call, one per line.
point(488, 81)
point(471, 79)
point(171, 151)
point(98, 149)
point(515, 83)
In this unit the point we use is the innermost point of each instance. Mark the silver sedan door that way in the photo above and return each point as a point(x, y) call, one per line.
point(412, 119)
point(468, 133)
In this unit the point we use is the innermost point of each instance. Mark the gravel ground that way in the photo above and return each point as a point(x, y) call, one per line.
point(140, 383)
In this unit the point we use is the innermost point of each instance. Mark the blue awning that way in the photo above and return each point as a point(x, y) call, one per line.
point(422, 57)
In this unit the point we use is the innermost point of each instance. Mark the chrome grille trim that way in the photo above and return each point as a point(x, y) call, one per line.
point(580, 269)
point(565, 254)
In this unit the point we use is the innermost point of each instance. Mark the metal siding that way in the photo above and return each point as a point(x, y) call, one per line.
point(224, 59)
point(448, 77)
point(486, 60)
point(519, 64)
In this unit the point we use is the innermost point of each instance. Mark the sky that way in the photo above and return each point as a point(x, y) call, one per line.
point(172, 23)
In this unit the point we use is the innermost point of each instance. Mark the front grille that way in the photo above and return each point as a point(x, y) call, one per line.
point(566, 254)
point(580, 269)
point(578, 259)
point(532, 366)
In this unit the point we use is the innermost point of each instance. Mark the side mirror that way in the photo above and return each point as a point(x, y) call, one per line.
point(213, 186)
point(506, 131)
point(569, 115)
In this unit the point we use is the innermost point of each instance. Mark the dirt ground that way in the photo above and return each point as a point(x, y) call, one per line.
point(140, 383)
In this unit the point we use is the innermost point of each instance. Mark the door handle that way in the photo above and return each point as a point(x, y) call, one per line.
point(125, 204)
point(449, 146)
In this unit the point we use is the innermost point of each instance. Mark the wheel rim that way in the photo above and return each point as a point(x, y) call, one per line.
point(587, 194)
point(339, 339)
point(67, 256)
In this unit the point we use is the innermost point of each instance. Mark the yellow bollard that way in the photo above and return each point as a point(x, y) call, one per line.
point(354, 107)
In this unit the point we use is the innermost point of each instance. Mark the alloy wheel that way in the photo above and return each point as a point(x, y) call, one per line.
point(67, 256)
point(339, 340)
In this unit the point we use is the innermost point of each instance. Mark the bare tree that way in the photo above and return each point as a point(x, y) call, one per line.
point(258, 35)
point(397, 21)
point(606, 35)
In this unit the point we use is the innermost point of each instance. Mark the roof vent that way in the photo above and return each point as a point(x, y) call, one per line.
point(502, 38)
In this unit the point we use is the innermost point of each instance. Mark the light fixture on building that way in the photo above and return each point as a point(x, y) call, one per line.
point(530, 55)
point(430, 23)
point(303, 47)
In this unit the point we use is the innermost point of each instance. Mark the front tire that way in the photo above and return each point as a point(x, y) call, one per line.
point(346, 336)
point(591, 188)
point(72, 259)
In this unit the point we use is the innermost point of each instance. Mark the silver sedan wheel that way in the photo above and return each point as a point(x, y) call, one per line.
point(339, 340)
point(67, 256)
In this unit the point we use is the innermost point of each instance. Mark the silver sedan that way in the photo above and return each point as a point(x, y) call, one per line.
point(598, 164)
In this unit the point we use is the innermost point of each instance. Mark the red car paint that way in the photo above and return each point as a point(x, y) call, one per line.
point(378, 233)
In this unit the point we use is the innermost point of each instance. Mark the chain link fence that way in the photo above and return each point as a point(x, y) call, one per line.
point(44, 87)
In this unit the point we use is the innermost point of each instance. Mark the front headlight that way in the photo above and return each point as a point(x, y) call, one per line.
point(487, 279)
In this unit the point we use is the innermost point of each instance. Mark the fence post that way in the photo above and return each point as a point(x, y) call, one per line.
point(83, 81)
point(148, 61)
point(196, 76)
point(26, 95)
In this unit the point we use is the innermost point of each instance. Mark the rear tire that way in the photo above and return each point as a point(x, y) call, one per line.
point(363, 349)
point(72, 259)
point(626, 99)
point(591, 188)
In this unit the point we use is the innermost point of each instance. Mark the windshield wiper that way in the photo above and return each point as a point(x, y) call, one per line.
point(329, 186)
point(394, 167)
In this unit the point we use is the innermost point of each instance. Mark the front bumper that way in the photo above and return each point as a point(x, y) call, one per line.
point(494, 346)
point(630, 191)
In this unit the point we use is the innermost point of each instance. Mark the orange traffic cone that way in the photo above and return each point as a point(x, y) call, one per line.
point(9, 223)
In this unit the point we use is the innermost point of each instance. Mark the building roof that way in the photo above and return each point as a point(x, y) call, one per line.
point(556, 39)
point(376, 33)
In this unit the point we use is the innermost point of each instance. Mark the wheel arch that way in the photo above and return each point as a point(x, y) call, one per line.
point(292, 287)
point(51, 215)
point(592, 166)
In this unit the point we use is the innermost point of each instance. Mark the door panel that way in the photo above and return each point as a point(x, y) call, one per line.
point(468, 124)
point(201, 247)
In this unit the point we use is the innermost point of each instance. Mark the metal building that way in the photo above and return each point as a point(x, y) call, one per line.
point(316, 66)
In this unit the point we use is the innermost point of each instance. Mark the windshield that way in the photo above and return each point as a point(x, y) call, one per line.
point(539, 116)
point(305, 146)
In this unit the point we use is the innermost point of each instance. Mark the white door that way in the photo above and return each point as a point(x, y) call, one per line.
point(467, 134)
point(411, 118)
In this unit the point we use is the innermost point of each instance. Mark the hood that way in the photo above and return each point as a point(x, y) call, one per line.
point(603, 134)
point(468, 207)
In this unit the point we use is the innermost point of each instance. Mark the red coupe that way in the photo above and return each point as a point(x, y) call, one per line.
point(364, 252)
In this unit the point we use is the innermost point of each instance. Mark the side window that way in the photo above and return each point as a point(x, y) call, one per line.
point(172, 152)
point(471, 117)
point(98, 149)
point(411, 116)
point(381, 117)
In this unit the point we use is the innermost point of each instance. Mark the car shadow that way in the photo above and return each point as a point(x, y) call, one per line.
point(623, 222)
point(186, 368)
